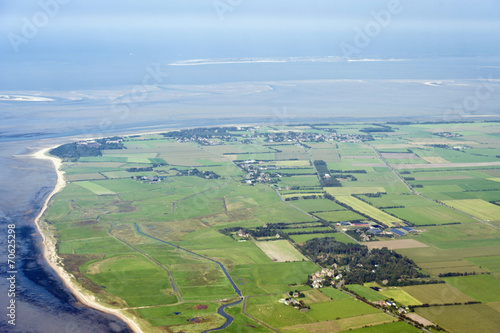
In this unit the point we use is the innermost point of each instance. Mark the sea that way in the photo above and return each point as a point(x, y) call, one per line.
point(218, 93)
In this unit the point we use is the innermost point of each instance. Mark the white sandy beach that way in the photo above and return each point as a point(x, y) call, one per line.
point(50, 254)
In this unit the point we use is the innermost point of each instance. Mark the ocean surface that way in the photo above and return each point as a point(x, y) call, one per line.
point(191, 96)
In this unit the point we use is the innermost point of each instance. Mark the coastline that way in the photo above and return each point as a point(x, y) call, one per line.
point(50, 253)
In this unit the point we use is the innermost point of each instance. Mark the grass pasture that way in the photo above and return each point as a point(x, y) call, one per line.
point(341, 325)
point(463, 318)
point(341, 215)
point(84, 176)
point(394, 327)
point(440, 293)
point(307, 180)
point(344, 308)
point(491, 263)
point(270, 311)
point(432, 214)
point(334, 294)
point(371, 211)
point(391, 200)
point(280, 251)
point(274, 277)
point(400, 296)
point(484, 288)
point(173, 316)
point(122, 276)
point(476, 207)
point(366, 292)
point(95, 188)
point(338, 236)
point(306, 237)
point(346, 191)
point(293, 164)
point(450, 266)
point(316, 205)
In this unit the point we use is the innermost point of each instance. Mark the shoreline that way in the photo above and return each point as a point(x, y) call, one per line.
point(50, 253)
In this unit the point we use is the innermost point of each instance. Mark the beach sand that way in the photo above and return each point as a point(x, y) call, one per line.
point(50, 253)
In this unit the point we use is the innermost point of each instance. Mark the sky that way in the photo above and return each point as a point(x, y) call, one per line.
point(56, 44)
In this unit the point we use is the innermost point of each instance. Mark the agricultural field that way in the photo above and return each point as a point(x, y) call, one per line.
point(429, 215)
point(476, 207)
point(463, 318)
point(371, 211)
point(280, 251)
point(440, 293)
point(172, 226)
point(317, 205)
point(483, 288)
point(400, 296)
point(366, 292)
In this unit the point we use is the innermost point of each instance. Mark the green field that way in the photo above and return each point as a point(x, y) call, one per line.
point(463, 318)
point(492, 263)
point(341, 215)
point(339, 309)
point(280, 251)
point(371, 211)
point(334, 294)
point(203, 191)
point(396, 327)
point(434, 214)
point(484, 288)
point(317, 205)
point(400, 296)
point(96, 188)
point(345, 191)
point(365, 292)
point(476, 207)
point(437, 294)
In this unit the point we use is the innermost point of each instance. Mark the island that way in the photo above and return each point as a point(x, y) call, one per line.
point(327, 227)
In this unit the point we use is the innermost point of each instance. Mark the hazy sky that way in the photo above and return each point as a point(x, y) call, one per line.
point(44, 41)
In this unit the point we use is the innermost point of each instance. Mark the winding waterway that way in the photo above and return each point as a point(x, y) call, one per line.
point(220, 310)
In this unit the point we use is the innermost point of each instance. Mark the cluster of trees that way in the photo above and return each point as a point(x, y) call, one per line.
point(322, 169)
point(426, 305)
point(344, 176)
point(362, 264)
point(274, 229)
point(116, 144)
point(301, 294)
point(456, 274)
point(379, 128)
point(140, 169)
point(73, 151)
point(201, 132)
point(312, 196)
point(348, 171)
point(198, 173)
point(257, 232)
